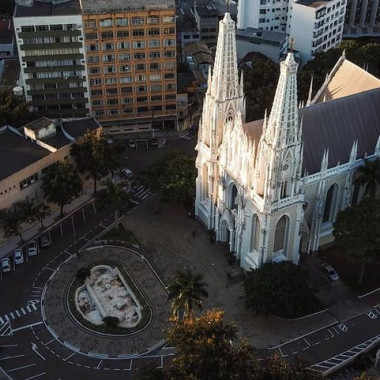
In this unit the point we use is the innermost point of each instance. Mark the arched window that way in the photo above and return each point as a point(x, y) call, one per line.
point(330, 204)
point(205, 182)
point(280, 236)
point(233, 197)
point(284, 189)
point(255, 242)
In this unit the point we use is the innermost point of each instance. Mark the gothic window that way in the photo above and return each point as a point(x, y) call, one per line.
point(330, 204)
point(205, 189)
point(255, 242)
point(280, 235)
point(284, 189)
point(233, 197)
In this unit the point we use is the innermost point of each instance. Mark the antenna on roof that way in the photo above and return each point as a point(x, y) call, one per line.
point(291, 45)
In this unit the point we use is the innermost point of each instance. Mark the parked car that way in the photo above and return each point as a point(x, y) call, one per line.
point(32, 248)
point(131, 144)
point(18, 256)
point(127, 172)
point(330, 271)
point(154, 142)
point(45, 241)
point(6, 265)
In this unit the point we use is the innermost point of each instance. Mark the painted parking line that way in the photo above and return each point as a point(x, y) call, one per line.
point(12, 357)
point(39, 375)
point(18, 368)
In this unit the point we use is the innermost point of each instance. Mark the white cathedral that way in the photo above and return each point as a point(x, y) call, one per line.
point(272, 188)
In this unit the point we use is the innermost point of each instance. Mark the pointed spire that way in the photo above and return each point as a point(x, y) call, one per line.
point(283, 120)
point(309, 99)
point(265, 122)
point(225, 81)
point(242, 83)
point(354, 151)
point(344, 53)
point(377, 148)
point(325, 160)
point(324, 98)
point(209, 80)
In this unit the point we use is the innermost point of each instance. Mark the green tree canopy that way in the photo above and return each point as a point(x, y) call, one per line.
point(13, 110)
point(94, 156)
point(11, 221)
point(207, 348)
point(172, 177)
point(368, 175)
point(61, 184)
point(114, 194)
point(280, 289)
point(185, 290)
point(357, 231)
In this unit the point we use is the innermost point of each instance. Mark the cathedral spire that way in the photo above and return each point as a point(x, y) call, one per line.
point(309, 99)
point(282, 129)
point(225, 81)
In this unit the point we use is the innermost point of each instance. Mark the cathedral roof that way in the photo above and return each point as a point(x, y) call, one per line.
point(346, 79)
point(335, 125)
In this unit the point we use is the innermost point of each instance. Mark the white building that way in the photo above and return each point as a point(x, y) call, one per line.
point(316, 26)
point(51, 51)
point(362, 18)
point(272, 188)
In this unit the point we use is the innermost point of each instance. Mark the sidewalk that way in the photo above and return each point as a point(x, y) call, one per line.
point(8, 245)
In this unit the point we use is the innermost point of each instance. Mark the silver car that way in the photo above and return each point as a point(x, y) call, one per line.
point(330, 271)
point(32, 248)
point(6, 265)
point(18, 256)
point(45, 241)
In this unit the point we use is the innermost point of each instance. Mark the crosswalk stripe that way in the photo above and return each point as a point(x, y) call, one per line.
point(145, 196)
point(23, 311)
point(6, 317)
point(34, 306)
point(28, 308)
point(1, 320)
point(12, 315)
point(18, 313)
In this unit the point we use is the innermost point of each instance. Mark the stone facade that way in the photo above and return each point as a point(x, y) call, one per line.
point(257, 186)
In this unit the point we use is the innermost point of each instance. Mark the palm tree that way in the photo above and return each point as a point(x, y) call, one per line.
point(369, 176)
point(114, 194)
point(186, 290)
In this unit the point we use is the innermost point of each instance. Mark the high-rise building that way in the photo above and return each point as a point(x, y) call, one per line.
point(362, 18)
point(314, 25)
point(50, 46)
point(131, 58)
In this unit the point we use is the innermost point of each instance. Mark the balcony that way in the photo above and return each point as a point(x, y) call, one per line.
point(52, 33)
point(55, 45)
point(52, 56)
point(53, 68)
point(55, 80)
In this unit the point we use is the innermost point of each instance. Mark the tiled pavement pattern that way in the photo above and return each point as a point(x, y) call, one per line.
point(68, 332)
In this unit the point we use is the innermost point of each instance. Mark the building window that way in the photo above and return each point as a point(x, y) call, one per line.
point(125, 68)
point(142, 109)
point(112, 102)
point(169, 43)
point(96, 92)
point(156, 98)
point(140, 67)
point(141, 88)
point(109, 58)
point(154, 32)
point(112, 80)
point(169, 65)
point(170, 97)
point(154, 54)
point(138, 32)
point(168, 19)
point(105, 23)
point(169, 54)
point(94, 59)
point(91, 24)
point(108, 46)
point(92, 47)
point(124, 57)
point(154, 66)
point(111, 91)
point(94, 70)
point(169, 30)
point(127, 100)
point(171, 107)
point(91, 36)
point(139, 56)
point(141, 99)
point(154, 43)
point(128, 110)
point(126, 90)
point(140, 78)
point(28, 181)
point(153, 20)
point(138, 44)
point(153, 77)
point(107, 35)
point(127, 79)
point(96, 81)
point(137, 21)
point(109, 69)
point(123, 45)
point(121, 22)
point(122, 34)
point(169, 76)
point(156, 88)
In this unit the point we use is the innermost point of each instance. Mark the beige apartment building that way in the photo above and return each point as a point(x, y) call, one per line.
point(131, 60)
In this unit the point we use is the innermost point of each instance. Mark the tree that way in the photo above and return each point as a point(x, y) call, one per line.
point(186, 290)
point(208, 348)
point(6, 7)
point(13, 111)
point(93, 155)
point(280, 289)
point(369, 176)
point(172, 177)
point(113, 194)
point(33, 213)
point(61, 184)
point(11, 222)
point(357, 231)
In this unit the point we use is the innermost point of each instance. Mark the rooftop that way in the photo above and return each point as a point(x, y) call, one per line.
point(260, 35)
point(104, 6)
point(39, 8)
point(17, 152)
point(207, 10)
point(312, 3)
point(78, 127)
point(38, 124)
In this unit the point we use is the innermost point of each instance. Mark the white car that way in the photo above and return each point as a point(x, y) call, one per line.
point(18, 256)
point(44, 241)
point(6, 265)
point(127, 172)
point(32, 248)
point(330, 271)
